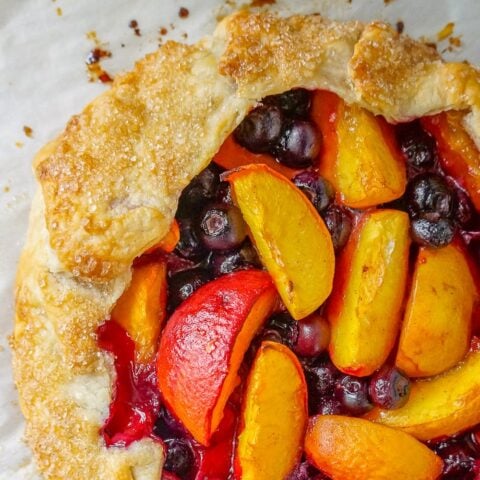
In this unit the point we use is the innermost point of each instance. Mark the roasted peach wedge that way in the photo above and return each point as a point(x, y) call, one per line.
point(435, 334)
point(142, 307)
point(274, 416)
point(458, 153)
point(353, 448)
point(291, 237)
point(365, 307)
point(203, 344)
point(359, 156)
point(443, 405)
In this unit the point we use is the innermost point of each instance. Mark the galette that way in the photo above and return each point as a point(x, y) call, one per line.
point(256, 257)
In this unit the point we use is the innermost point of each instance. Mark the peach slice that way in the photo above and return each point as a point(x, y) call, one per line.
point(435, 334)
point(274, 416)
point(347, 448)
point(458, 153)
point(364, 309)
point(291, 237)
point(169, 241)
point(359, 155)
point(438, 406)
point(141, 309)
point(203, 344)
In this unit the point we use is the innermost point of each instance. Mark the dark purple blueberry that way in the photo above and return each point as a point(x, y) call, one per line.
point(271, 335)
point(432, 233)
point(465, 212)
point(429, 193)
point(295, 103)
point(222, 227)
point(189, 245)
point(260, 129)
point(304, 471)
point(352, 393)
point(339, 223)
point(299, 144)
point(320, 376)
point(227, 262)
point(472, 439)
point(313, 336)
point(389, 388)
point(318, 190)
point(417, 145)
point(330, 406)
point(286, 326)
point(202, 188)
point(458, 462)
point(167, 426)
point(182, 284)
point(224, 193)
point(179, 458)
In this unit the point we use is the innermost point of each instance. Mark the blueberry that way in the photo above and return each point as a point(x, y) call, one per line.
point(417, 145)
point(330, 406)
point(286, 326)
point(299, 144)
point(458, 462)
point(313, 336)
point(339, 223)
point(179, 458)
point(224, 193)
point(244, 257)
point(295, 103)
point(432, 233)
point(222, 227)
point(260, 129)
point(318, 190)
point(182, 284)
point(167, 426)
point(430, 193)
point(352, 393)
point(189, 245)
point(389, 388)
point(321, 376)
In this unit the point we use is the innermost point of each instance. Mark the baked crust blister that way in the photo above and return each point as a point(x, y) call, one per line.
point(111, 181)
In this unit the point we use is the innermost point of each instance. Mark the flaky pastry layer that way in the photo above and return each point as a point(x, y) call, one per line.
point(111, 181)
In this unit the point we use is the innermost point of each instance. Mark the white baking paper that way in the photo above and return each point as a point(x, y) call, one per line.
point(43, 81)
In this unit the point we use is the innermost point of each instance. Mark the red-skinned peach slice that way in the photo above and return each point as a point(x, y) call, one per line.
point(458, 153)
point(203, 344)
point(141, 309)
point(274, 416)
point(439, 406)
point(359, 156)
point(364, 309)
point(435, 334)
point(353, 448)
point(291, 237)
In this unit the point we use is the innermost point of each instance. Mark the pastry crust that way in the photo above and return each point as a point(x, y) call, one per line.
point(111, 181)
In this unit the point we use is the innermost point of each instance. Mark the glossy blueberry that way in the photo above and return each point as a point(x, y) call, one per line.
point(189, 245)
point(313, 336)
point(260, 129)
point(434, 233)
point(330, 406)
point(318, 190)
point(295, 103)
point(221, 227)
point(179, 458)
point(352, 393)
point(224, 193)
point(182, 284)
point(167, 426)
point(417, 145)
point(244, 257)
point(458, 462)
point(339, 223)
point(286, 326)
point(299, 144)
point(389, 388)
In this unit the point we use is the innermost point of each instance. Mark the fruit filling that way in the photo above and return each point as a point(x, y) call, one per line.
point(312, 314)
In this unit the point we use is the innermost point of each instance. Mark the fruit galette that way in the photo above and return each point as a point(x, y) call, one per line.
point(256, 257)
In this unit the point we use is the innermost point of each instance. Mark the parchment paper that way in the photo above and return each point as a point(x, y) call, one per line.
point(43, 81)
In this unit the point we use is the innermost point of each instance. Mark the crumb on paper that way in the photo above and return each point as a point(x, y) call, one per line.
point(6, 189)
point(184, 35)
point(28, 131)
point(262, 3)
point(400, 26)
point(446, 31)
point(133, 24)
point(96, 72)
point(19, 144)
point(163, 31)
point(183, 12)
point(386, 2)
point(59, 11)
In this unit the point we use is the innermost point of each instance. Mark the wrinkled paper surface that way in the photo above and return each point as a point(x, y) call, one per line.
point(43, 81)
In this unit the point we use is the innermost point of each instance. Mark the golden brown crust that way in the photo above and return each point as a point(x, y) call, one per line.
point(111, 181)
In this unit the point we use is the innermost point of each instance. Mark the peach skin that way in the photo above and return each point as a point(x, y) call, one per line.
point(274, 416)
point(365, 307)
point(443, 405)
point(435, 334)
point(203, 345)
point(359, 154)
point(141, 309)
point(291, 237)
point(457, 151)
point(353, 448)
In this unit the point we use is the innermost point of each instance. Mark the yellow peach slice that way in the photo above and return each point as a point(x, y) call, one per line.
point(435, 334)
point(291, 237)
point(141, 309)
point(442, 405)
point(364, 309)
point(274, 416)
point(353, 448)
